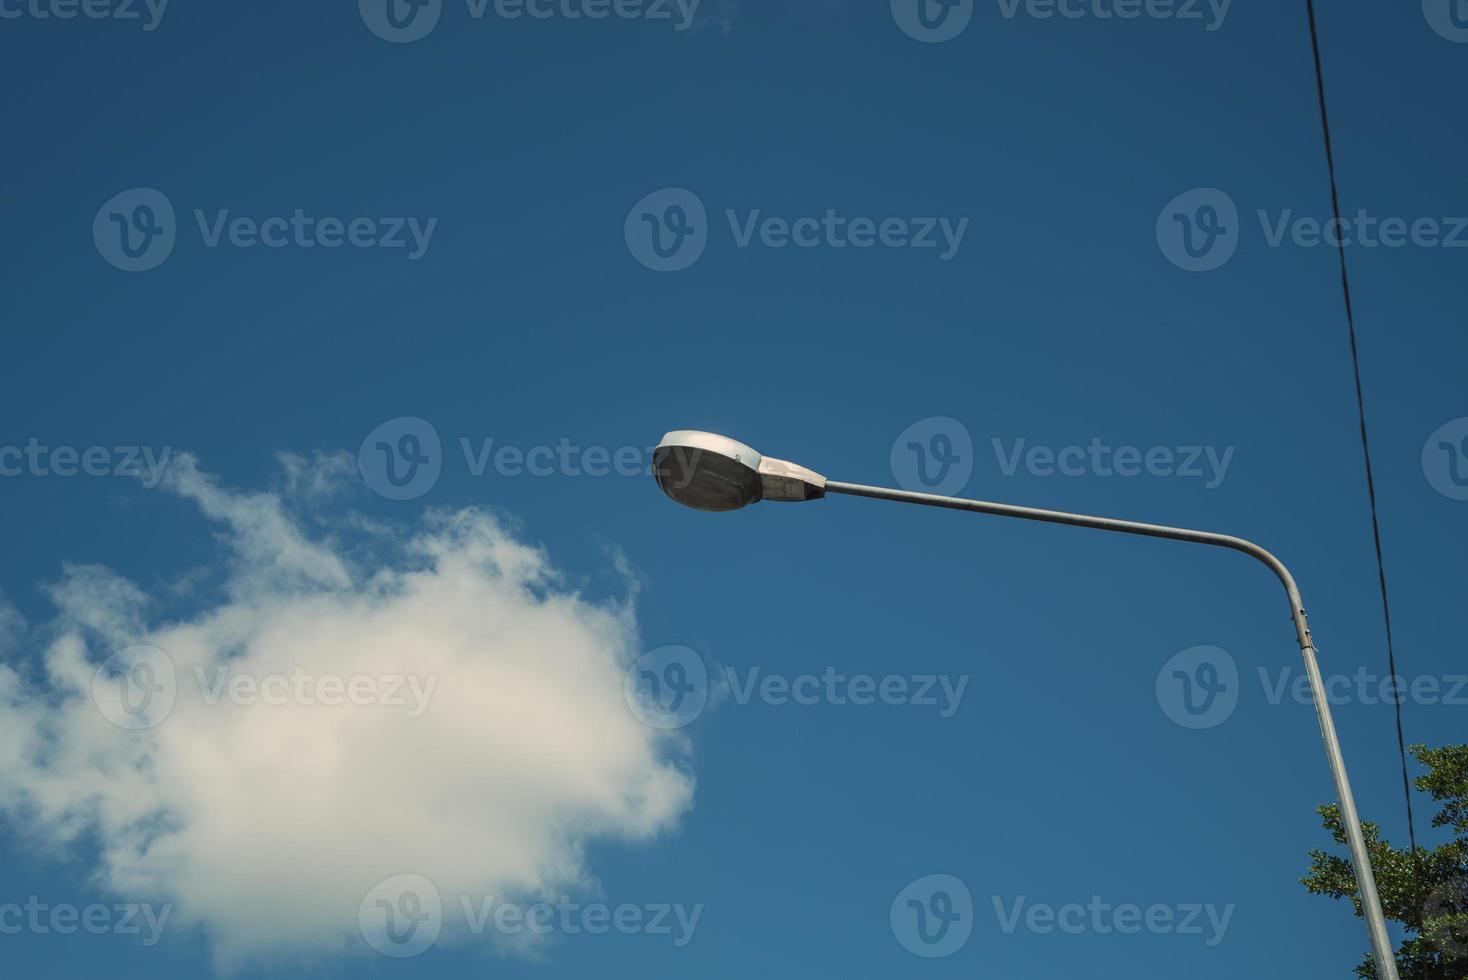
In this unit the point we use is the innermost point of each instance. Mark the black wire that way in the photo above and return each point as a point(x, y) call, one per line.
point(1386, 611)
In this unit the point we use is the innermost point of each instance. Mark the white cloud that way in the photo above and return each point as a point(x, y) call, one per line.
point(266, 823)
point(12, 627)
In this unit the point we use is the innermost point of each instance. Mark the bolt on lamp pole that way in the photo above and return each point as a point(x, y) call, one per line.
point(712, 472)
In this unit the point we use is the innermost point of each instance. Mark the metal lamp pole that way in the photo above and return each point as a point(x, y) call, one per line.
point(712, 472)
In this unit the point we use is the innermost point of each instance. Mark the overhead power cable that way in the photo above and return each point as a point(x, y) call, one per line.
point(1386, 611)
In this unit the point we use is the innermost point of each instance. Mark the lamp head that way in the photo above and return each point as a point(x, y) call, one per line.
point(711, 472)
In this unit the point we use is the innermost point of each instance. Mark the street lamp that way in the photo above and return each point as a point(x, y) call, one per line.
point(715, 473)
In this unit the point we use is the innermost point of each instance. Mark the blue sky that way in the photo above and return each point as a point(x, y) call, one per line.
point(795, 160)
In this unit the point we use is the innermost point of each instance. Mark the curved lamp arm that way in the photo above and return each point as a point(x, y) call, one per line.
point(1297, 608)
point(1381, 948)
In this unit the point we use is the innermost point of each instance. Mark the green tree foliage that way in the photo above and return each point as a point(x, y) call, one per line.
point(1426, 890)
